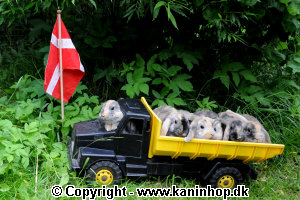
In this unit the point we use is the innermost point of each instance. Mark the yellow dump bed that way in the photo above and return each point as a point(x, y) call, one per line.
point(210, 149)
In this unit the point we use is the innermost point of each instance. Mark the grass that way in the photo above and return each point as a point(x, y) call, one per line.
point(278, 179)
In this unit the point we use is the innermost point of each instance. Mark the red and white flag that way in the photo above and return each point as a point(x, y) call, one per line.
point(73, 70)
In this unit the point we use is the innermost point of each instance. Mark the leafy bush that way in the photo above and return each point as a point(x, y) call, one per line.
point(30, 126)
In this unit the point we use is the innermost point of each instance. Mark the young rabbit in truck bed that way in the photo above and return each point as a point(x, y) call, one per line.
point(261, 136)
point(204, 128)
point(173, 122)
point(188, 116)
point(206, 113)
point(110, 115)
point(243, 128)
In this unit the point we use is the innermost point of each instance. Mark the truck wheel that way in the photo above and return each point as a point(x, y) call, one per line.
point(105, 173)
point(226, 177)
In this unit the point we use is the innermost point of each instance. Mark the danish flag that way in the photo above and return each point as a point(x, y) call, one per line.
point(73, 70)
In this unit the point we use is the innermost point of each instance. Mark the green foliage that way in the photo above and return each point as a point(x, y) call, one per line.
point(136, 81)
point(30, 126)
point(206, 104)
point(168, 79)
point(177, 6)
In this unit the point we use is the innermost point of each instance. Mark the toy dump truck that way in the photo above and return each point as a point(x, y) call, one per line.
point(109, 156)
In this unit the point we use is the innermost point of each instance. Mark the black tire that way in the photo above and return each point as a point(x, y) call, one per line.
point(105, 173)
point(226, 177)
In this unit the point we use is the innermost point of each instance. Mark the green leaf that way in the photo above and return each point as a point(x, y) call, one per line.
point(185, 86)
point(178, 101)
point(9, 157)
point(174, 86)
point(64, 179)
point(210, 14)
point(129, 78)
point(140, 62)
point(100, 74)
point(4, 187)
point(29, 5)
point(234, 66)
point(130, 91)
point(282, 46)
point(157, 8)
point(164, 91)
point(248, 2)
point(225, 80)
point(1, 20)
point(171, 17)
point(253, 89)
point(294, 8)
point(236, 78)
point(150, 62)
point(247, 74)
point(136, 88)
point(93, 3)
point(45, 59)
point(295, 66)
point(5, 124)
point(157, 81)
point(25, 162)
point(143, 80)
point(155, 94)
point(285, 1)
point(170, 102)
point(157, 67)
point(159, 4)
point(174, 69)
point(144, 88)
point(173, 95)
point(264, 101)
point(54, 154)
point(189, 60)
point(138, 73)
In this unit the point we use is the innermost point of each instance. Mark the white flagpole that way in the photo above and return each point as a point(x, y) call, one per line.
point(60, 65)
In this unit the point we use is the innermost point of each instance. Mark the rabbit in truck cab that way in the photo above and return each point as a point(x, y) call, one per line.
point(110, 115)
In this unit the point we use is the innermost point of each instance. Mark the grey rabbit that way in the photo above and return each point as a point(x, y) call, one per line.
point(188, 116)
point(255, 131)
point(218, 135)
point(204, 128)
point(110, 115)
point(206, 113)
point(244, 128)
point(234, 126)
point(173, 122)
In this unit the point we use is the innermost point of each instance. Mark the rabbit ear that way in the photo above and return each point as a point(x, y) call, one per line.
point(190, 136)
point(185, 125)
point(236, 115)
point(226, 132)
point(165, 127)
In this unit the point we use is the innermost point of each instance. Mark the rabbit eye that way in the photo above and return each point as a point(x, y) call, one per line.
point(215, 129)
point(202, 126)
point(112, 108)
point(175, 121)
